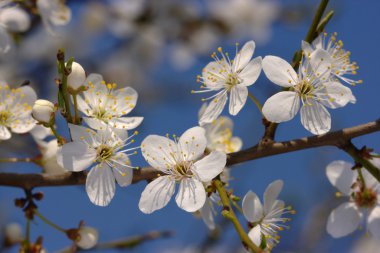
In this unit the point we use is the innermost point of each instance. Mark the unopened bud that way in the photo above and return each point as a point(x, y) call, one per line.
point(43, 111)
point(75, 80)
point(38, 195)
point(20, 202)
point(87, 237)
point(13, 234)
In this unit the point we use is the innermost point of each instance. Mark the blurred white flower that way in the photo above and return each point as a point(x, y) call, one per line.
point(40, 132)
point(104, 105)
point(16, 110)
point(181, 162)
point(13, 233)
point(43, 111)
point(366, 244)
point(53, 13)
point(246, 18)
point(12, 19)
point(266, 219)
point(88, 237)
point(311, 86)
point(104, 152)
point(363, 203)
point(341, 64)
point(228, 76)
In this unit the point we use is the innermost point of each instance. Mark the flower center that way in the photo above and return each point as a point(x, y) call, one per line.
point(104, 153)
point(183, 169)
point(366, 198)
point(304, 87)
point(4, 116)
point(232, 80)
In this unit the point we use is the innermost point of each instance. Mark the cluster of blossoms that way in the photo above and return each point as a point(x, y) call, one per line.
point(313, 88)
point(14, 19)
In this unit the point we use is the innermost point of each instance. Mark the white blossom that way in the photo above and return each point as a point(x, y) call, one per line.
point(15, 110)
point(266, 219)
point(88, 237)
point(310, 89)
point(43, 111)
point(104, 152)
point(104, 105)
point(53, 13)
point(12, 19)
point(180, 161)
point(341, 64)
point(363, 199)
point(232, 77)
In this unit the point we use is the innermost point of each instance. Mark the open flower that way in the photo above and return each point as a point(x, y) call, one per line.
point(341, 65)
point(103, 152)
point(12, 19)
point(363, 199)
point(180, 160)
point(16, 110)
point(219, 136)
point(53, 13)
point(104, 105)
point(226, 76)
point(311, 87)
point(266, 219)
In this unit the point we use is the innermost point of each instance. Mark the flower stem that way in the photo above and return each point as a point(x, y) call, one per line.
point(63, 85)
point(27, 232)
point(229, 213)
point(76, 114)
point(59, 138)
point(50, 223)
point(256, 101)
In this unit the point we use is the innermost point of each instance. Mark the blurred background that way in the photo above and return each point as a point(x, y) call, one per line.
point(158, 48)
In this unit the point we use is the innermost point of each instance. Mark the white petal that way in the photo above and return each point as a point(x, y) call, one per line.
point(238, 97)
point(340, 95)
point(5, 41)
point(156, 194)
point(193, 143)
point(122, 173)
point(208, 215)
point(156, 151)
point(320, 61)
point(315, 118)
point(271, 194)
point(343, 220)
point(82, 105)
point(126, 99)
point(252, 208)
point(95, 123)
point(279, 71)
point(306, 48)
point(29, 96)
point(80, 133)
point(213, 110)
point(40, 132)
point(251, 72)
point(4, 133)
point(374, 222)
point(211, 76)
point(341, 175)
point(23, 125)
point(235, 145)
point(100, 185)
point(75, 156)
point(244, 56)
point(210, 166)
point(282, 106)
point(15, 19)
point(127, 123)
point(255, 235)
point(191, 195)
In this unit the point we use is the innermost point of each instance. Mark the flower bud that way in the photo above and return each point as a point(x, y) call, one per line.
point(75, 80)
point(87, 237)
point(43, 111)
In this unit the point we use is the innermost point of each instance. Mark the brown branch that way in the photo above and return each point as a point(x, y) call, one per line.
point(338, 139)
